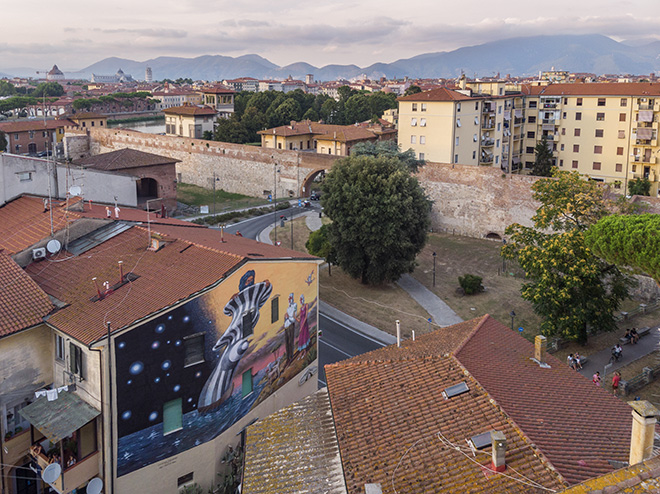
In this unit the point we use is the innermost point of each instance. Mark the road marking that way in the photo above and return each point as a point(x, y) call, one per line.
point(355, 331)
point(337, 349)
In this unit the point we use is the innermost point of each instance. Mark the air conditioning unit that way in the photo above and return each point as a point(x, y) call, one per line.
point(39, 253)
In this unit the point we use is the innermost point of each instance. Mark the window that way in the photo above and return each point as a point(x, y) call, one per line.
point(499, 110)
point(576, 132)
point(76, 360)
point(565, 101)
point(457, 140)
point(25, 176)
point(84, 125)
point(598, 149)
point(531, 119)
point(622, 117)
point(31, 134)
point(576, 148)
point(619, 151)
point(531, 134)
point(421, 156)
point(92, 123)
point(474, 155)
point(601, 101)
point(413, 122)
point(499, 126)
point(184, 480)
point(59, 347)
point(622, 134)
point(101, 123)
point(194, 347)
point(529, 150)
point(561, 162)
point(563, 131)
point(634, 168)
point(578, 115)
point(458, 122)
point(422, 139)
point(599, 132)
point(476, 120)
point(422, 122)
point(574, 164)
point(474, 138)
point(16, 136)
point(497, 160)
point(624, 102)
point(596, 165)
point(247, 383)
point(458, 107)
point(618, 167)
point(579, 102)
point(413, 139)
point(476, 105)
point(414, 107)
point(563, 115)
point(423, 106)
point(249, 322)
point(44, 134)
point(87, 440)
point(172, 416)
point(497, 143)
point(532, 104)
point(275, 309)
point(600, 117)
point(562, 147)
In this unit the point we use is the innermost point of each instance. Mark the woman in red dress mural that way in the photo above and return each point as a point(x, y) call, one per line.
point(303, 335)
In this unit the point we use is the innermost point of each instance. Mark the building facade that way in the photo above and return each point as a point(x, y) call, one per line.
point(189, 121)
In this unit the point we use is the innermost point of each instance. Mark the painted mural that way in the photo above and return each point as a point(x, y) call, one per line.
point(188, 375)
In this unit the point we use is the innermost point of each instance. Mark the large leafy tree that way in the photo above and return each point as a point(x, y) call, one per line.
point(628, 240)
point(639, 187)
point(389, 149)
point(542, 159)
point(568, 286)
point(380, 217)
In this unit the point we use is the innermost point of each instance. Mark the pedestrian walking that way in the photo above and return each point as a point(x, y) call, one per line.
point(615, 381)
point(596, 379)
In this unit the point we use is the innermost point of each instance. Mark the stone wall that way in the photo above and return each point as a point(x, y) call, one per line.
point(468, 200)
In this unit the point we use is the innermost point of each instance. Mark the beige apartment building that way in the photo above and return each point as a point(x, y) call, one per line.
point(608, 131)
point(478, 125)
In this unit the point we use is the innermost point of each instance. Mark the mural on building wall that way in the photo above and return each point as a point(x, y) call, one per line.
point(186, 376)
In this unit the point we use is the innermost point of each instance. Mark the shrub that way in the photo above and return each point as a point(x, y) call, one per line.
point(471, 284)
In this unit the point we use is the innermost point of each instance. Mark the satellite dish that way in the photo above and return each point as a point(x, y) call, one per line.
point(51, 473)
point(75, 190)
point(53, 246)
point(95, 486)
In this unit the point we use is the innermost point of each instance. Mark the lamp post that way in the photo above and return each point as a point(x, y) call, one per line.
point(291, 231)
point(434, 256)
point(214, 180)
point(512, 314)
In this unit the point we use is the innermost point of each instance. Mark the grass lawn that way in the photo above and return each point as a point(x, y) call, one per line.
point(300, 234)
point(194, 195)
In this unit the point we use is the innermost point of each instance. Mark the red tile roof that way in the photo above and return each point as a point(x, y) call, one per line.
point(218, 89)
point(599, 89)
point(172, 274)
point(577, 425)
point(396, 429)
point(23, 303)
point(35, 125)
point(438, 94)
point(123, 159)
point(190, 110)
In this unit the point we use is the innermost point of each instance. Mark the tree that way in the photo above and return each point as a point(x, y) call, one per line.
point(3, 141)
point(380, 217)
point(47, 89)
point(628, 240)
point(412, 90)
point(7, 89)
point(318, 244)
point(388, 149)
point(569, 287)
point(639, 187)
point(543, 159)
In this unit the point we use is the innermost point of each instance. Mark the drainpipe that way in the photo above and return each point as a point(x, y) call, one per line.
point(111, 416)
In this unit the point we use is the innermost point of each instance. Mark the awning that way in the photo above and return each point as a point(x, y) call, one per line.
point(59, 418)
point(644, 133)
point(645, 116)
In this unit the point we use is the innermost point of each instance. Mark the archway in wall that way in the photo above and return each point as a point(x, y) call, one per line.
point(494, 236)
point(311, 183)
point(147, 188)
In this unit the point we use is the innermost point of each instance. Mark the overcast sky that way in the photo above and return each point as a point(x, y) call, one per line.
point(76, 33)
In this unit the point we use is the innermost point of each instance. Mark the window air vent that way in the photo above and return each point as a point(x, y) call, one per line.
point(457, 389)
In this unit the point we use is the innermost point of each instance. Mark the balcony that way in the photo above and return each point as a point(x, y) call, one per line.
point(72, 476)
point(549, 121)
point(488, 124)
point(549, 105)
point(486, 160)
point(646, 106)
point(487, 142)
point(487, 109)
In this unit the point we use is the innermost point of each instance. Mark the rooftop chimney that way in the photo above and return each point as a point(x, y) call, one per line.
point(498, 441)
point(398, 333)
point(643, 430)
point(540, 344)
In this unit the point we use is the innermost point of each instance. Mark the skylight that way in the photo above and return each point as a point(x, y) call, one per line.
point(455, 390)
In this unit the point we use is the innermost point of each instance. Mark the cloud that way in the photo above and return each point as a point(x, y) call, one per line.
point(152, 33)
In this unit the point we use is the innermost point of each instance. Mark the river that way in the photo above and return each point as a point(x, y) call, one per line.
point(155, 126)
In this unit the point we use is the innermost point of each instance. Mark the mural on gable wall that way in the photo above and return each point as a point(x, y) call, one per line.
point(186, 376)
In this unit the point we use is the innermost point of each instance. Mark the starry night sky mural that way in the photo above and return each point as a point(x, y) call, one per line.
point(199, 352)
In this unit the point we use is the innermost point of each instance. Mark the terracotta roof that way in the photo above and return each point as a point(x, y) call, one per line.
point(85, 115)
point(599, 89)
point(123, 159)
point(23, 303)
point(641, 478)
point(577, 425)
point(190, 110)
point(396, 429)
point(218, 90)
point(302, 128)
point(173, 273)
point(348, 134)
point(24, 222)
point(438, 94)
point(279, 458)
point(35, 125)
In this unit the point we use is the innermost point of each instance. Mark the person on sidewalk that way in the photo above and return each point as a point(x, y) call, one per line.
point(634, 336)
point(578, 361)
point(570, 361)
point(627, 336)
point(615, 381)
point(596, 379)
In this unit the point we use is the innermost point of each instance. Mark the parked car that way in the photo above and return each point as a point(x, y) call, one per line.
point(315, 195)
point(43, 154)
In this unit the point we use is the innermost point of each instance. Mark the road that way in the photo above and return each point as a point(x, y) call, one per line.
point(252, 227)
point(339, 342)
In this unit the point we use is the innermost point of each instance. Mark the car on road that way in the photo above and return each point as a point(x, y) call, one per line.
point(315, 195)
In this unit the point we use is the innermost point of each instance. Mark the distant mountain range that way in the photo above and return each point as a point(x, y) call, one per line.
point(516, 56)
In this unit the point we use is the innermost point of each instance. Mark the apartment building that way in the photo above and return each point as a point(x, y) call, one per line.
point(463, 125)
point(608, 131)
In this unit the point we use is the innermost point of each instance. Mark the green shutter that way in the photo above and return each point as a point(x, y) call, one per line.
point(172, 417)
point(247, 382)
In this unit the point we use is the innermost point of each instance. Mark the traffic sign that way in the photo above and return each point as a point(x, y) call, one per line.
point(520, 329)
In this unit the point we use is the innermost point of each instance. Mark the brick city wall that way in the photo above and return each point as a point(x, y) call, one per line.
point(468, 200)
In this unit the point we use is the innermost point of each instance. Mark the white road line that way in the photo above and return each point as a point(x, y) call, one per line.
point(359, 333)
point(335, 348)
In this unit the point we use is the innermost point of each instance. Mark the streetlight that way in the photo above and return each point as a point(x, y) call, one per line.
point(434, 256)
point(214, 180)
point(512, 314)
point(291, 231)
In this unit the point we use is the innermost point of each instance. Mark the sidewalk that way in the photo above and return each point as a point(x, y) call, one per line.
point(599, 360)
point(313, 223)
point(442, 314)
